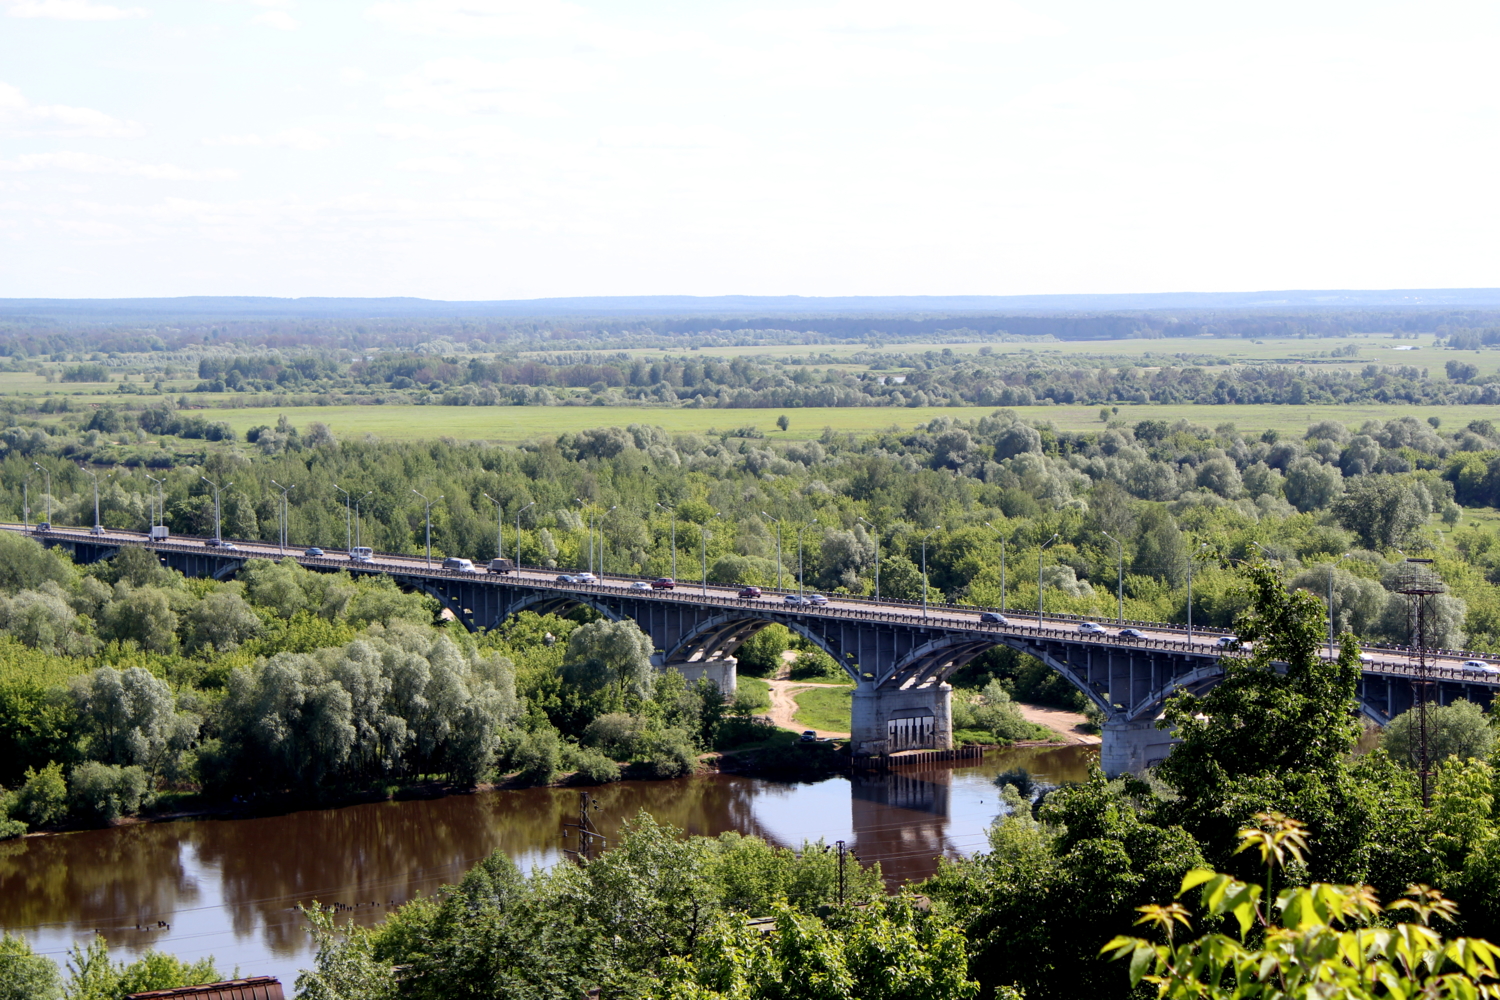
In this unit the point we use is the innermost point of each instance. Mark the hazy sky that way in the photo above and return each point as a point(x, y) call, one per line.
point(499, 149)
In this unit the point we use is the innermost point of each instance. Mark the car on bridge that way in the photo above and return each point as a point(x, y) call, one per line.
point(502, 566)
point(1131, 633)
point(585, 578)
point(749, 593)
point(1092, 628)
point(567, 578)
point(313, 551)
point(664, 583)
point(97, 529)
point(457, 564)
point(817, 599)
point(362, 554)
point(993, 618)
point(1479, 667)
point(42, 527)
point(640, 585)
point(1225, 641)
point(795, 599)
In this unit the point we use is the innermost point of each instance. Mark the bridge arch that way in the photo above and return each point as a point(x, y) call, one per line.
point(726, 632)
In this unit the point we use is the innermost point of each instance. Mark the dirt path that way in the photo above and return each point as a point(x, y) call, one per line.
point(784, 705)
point(1060, 721)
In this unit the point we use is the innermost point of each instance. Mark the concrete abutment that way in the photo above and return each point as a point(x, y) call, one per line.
point(1133, 746)
point(886, 720)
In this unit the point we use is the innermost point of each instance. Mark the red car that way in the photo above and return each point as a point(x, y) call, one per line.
point(749, 593)
point(663, 583)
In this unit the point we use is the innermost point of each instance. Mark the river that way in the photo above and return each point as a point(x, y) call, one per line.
point(230, 888)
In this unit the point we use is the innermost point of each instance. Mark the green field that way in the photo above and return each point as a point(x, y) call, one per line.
point(828, 709)
point(755, 691)
point(510, 424)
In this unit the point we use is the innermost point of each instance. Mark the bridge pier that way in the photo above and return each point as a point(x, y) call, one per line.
point(887, 719)
point(1133, 746)
point(722, 670)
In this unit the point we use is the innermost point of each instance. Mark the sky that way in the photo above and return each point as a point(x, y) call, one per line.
point(504, 149)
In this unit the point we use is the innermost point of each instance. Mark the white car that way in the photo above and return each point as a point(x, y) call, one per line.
point(585, 578)
point(1092, 628)
point(640, 585)
point(1479, 667)
point(1225, 641)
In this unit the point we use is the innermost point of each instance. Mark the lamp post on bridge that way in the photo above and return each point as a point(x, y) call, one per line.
point(285, 513)
point(589, 516)
point(924, 567)
point(800, 529)
point(778, 549)
point(95, 477)
point(161, 501)
point(218, 511)
point(1039, 590)
point(429, 504)
point(673, 512)
point(603, 526)
point(1002, 563)
point(358, 535)
point(1331, 567)
point(48, 474)
point(877, 554)
point(518, 532)
point(1192, 559)
point(26, 505)
point(1120, 571)
point(703, 536)
point(348, 519)
point(499, 520)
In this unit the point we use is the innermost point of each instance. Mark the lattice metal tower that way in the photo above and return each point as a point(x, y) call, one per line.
point(1416, 580)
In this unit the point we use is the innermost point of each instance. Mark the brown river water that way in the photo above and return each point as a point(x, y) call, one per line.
point(230, 888)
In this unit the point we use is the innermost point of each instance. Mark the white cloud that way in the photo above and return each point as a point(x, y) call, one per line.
point(663, 136)
point(487, 18)
point(292, 138)
point(278, 19)
point(902, 21)
point(466, 85)
point(432, 165)
point(72, 10)
point(352, 75)
point(91, 163)
point(20, 117)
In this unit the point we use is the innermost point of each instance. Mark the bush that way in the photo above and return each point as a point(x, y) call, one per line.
point(43, 799)
point(760, 655)
point(593, 766)
point(102, 793)
point(669, 754)
point(813, 664)
point(538, 757)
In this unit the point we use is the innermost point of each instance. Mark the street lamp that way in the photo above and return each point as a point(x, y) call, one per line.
point(778, 549)
point(359, 538)
point(1039, 552)
point(518, 532)
point(285, 513)
point(26, 504)
point(672, 512)
point(1002, 564)
point(1191, 559)
point(877, 554)
point(603, 525)
point(429, 504)
point(1120, 570)
point(1331, 567)
point(47, 473)
point(499, 520)
point(703, 536)
point(218, 521)
point(590, 515)
point(801, 529)
point(95, 478)
point(348, 519)
point(924, 567)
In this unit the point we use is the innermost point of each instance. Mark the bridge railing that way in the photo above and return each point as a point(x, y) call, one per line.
point(870, 610)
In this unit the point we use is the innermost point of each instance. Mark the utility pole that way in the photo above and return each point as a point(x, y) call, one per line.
point(703, 536)
point(778, 550)
point(1331, 567)
point(161, 501)
point(589, 516)
point(1120, 569)
point(800, 529)
point(1418, 585)
point(218, 520)
point(429, 504)
point(588, 837)
point(348, 519)
point(1192, 559)
point(26, 505)
point(843, 858)
point(672, 512)
point(1039, 552)
point(518, 532)
point(285, 512)
point(877, 554)
point(359, 535)
point(603, 526)
point(499, 520)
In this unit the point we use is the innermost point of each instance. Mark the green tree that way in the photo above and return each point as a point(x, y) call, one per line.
point(43, 799)
point(782, 423)
point(25, 975)
point(1160, 549)
point(610, 662)
point(1384, 511)
point(1459, 729)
